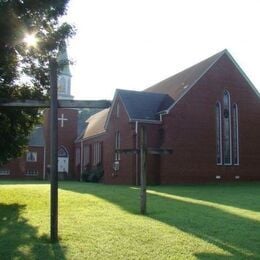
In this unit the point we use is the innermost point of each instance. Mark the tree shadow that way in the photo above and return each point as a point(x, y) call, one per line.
point(236, 234)
point(19, 240)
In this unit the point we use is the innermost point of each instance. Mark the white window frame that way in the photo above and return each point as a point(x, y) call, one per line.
point(28, 157)
point(4, 172)
point(220, 131)
point(117, 145)
point(86, 155)
point(230, 129)
point(31, 173)
point(96, 153)
point(235, 118)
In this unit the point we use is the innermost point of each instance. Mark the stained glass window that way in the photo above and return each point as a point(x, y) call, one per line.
point(226, 129)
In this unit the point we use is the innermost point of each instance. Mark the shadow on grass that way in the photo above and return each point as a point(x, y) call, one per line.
point(236, 234)
point(19, 240)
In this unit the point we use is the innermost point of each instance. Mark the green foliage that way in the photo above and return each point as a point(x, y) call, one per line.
point(24, 69)
point(93, 175)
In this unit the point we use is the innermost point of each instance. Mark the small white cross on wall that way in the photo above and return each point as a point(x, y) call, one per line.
point(62, 119)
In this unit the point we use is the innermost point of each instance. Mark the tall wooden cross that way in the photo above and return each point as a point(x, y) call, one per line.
point(143, 151)
point(54, 104)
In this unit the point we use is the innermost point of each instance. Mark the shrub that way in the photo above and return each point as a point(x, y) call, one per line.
point(93, 175)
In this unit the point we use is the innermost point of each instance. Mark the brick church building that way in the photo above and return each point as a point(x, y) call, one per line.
point(208, 114)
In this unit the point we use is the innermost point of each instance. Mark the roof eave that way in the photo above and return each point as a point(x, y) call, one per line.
point(90, 137)
point(146, 121)
point(242, 73)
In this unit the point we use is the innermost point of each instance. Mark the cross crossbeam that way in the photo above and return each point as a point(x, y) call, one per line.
point(61, 103)
point(154, 151)
point(143, 151)
point(54, 104)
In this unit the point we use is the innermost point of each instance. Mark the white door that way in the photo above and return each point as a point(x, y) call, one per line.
point(63, 164)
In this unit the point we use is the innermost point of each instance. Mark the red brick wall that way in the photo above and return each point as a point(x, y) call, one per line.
point(190, 129)
point(19, 166)
point(77, 168)
point(66, 135)
point(127, 171)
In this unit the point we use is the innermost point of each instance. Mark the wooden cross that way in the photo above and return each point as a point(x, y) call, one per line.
point(143, 151)
point(54, 104)
point(62, 119)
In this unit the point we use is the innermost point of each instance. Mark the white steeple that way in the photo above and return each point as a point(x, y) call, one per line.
point(64, 77)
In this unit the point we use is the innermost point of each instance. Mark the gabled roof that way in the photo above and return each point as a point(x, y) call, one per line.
point(36, 138)
point(181, 82)
point(144, 105)
point(95, 125)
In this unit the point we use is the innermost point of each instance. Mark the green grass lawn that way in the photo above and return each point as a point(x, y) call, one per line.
point(218, 221)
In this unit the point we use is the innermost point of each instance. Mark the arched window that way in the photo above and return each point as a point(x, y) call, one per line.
point(86, 155)
point(235, 135)
point(218, 134)
point(227, 151)
point(62, 152)
point(227, 138)
point(62, 85)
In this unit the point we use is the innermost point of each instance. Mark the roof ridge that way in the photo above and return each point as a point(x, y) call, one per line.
point(217, 56)
point(94, 115)
point(179, 84)
point(142, 92)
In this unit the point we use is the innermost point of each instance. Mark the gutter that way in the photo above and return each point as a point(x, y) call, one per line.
point(136, 155)
point(146, 121)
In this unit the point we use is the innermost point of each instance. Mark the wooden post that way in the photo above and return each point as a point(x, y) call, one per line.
point(54, 104)
point(53, 151)
point(143, 153)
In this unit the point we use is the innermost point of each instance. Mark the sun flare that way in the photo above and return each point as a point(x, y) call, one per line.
point(30, 40)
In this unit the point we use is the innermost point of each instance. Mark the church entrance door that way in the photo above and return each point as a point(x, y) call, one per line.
point(63, 160)
point(63, 164)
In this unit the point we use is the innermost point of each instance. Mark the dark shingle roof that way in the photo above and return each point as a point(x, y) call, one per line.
point(181, 82)
point(144, 105)
point(36, 138)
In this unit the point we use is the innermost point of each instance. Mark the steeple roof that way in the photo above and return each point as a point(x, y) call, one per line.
point(64, 77)
point(63, 60)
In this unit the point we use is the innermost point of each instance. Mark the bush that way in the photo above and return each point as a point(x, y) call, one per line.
point(93, 175)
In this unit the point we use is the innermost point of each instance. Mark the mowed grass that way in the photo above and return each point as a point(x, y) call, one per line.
point(217, 221)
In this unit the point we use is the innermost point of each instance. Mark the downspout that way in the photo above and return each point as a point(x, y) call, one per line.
point(81, 159)
point(44, 163)
point(136, 155)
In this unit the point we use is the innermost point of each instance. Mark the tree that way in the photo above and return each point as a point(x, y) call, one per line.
point(24, 69)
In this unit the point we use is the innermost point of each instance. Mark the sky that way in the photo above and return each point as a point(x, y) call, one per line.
point(134, 44)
